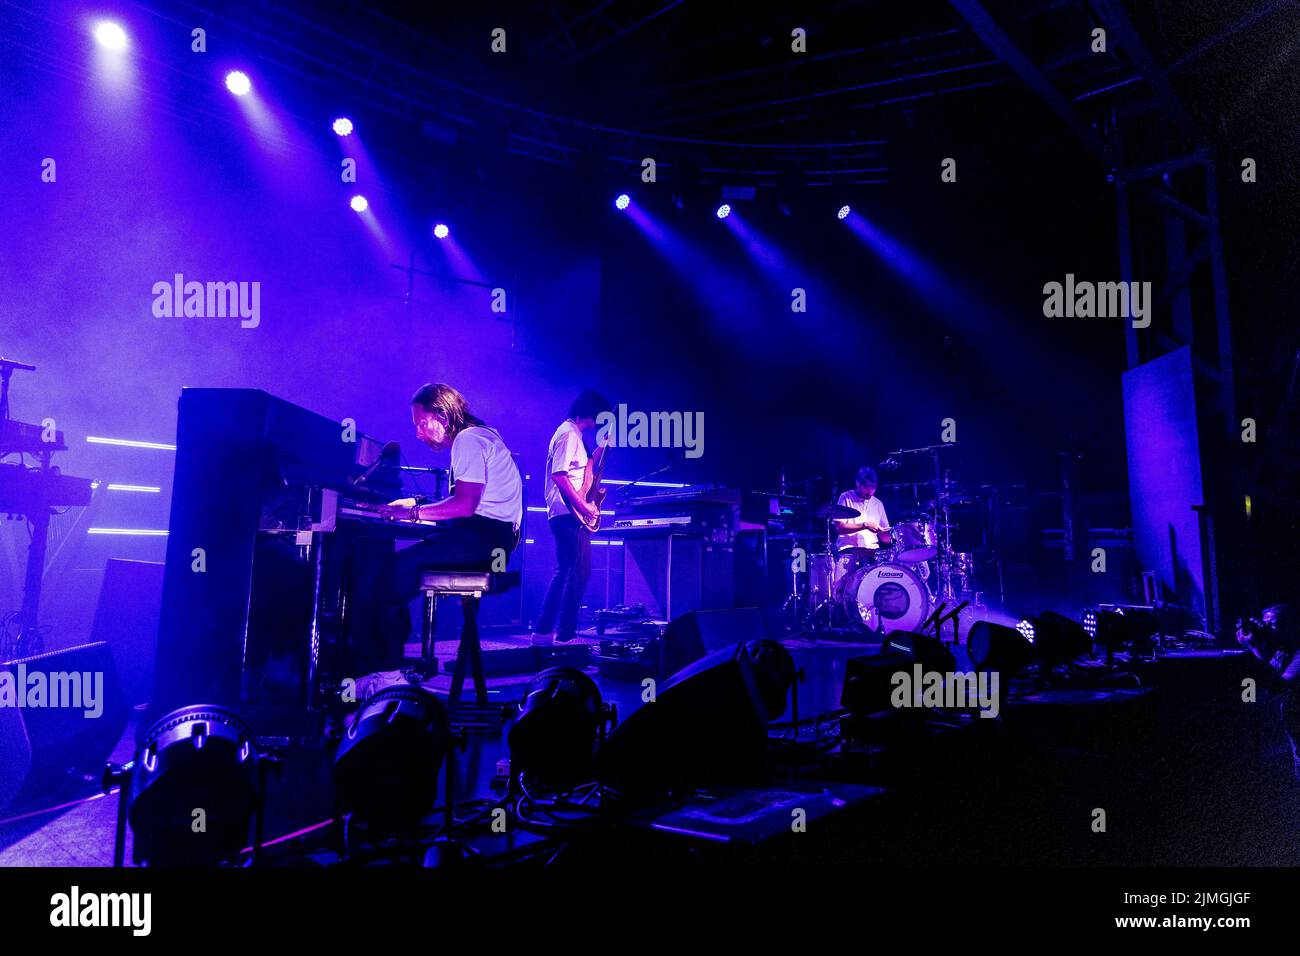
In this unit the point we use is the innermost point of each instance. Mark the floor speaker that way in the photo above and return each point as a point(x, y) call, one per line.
point(698, 633)
point(61, 714)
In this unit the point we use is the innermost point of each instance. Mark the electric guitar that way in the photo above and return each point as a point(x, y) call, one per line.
point(592, 491)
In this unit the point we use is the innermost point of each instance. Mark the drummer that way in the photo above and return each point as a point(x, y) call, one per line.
point(866, 530)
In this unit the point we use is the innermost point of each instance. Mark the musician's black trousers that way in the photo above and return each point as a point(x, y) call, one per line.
point(462, 544)
point(572, 569)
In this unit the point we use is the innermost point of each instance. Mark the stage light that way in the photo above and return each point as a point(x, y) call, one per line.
point(623, 201)
point(199, 756)
point(995, 647)
point(129, 443)
point(561, 719)
point(930, 652)
point(343, 126)
point(1058, 639)
point(110, 35)
point(1026, 628)
point(440, 231)
point(1090, 623)
point(724, 211)
point(131, 532)
point(1116, 627)
point(359, 203)
point(238, 82)
point(843, 213)
point(386, 769)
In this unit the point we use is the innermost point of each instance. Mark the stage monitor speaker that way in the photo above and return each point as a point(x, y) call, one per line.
point(63, 713)
point(126, 618)
point(706, 725)
point(869, 681)
point(697, 633)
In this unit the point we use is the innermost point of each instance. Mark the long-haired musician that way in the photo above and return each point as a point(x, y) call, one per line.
point(477, 525)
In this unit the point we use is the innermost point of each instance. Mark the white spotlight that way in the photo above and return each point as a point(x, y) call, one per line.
point(238, 82)
point(110, 35)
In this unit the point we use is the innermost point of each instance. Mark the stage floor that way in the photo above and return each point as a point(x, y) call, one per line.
point(75, 827)
point(1226, 801)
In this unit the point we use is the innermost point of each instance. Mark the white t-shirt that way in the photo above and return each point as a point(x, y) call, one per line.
point(873, 509)
point(479, 455)
point(568, 454)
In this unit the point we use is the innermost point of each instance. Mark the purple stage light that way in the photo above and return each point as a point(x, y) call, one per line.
point(724, 211)
point(359, 203)
point(623, 201)
point(843, 213)
point(343, 126)
point(441, 231)
point(238, 82)
point(110, 35)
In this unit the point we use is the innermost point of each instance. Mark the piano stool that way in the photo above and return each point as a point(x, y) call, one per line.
point(470, 586)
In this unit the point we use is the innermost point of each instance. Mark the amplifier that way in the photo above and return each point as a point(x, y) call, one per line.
point(676, 574)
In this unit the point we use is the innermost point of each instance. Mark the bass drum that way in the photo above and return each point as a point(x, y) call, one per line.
point(888, 597)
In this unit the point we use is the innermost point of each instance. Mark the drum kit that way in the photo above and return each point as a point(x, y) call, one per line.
point(894, 586)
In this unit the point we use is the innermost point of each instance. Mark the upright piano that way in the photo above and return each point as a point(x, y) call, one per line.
point(273, 560)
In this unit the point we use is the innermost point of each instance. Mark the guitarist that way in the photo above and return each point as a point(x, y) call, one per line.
point(573, 510)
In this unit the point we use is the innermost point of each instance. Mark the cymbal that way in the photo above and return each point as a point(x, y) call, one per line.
point(957, 499)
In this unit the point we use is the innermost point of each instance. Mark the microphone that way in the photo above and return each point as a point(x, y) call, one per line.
point(387, 455)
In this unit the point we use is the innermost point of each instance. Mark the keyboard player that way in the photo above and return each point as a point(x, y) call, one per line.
point(477, 523)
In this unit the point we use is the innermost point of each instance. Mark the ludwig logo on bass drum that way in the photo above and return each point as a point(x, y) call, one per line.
point(890, 574)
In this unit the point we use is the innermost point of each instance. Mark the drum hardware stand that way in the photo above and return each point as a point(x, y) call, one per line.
point(799, 675)
point(942, 518)
point(829, 600)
